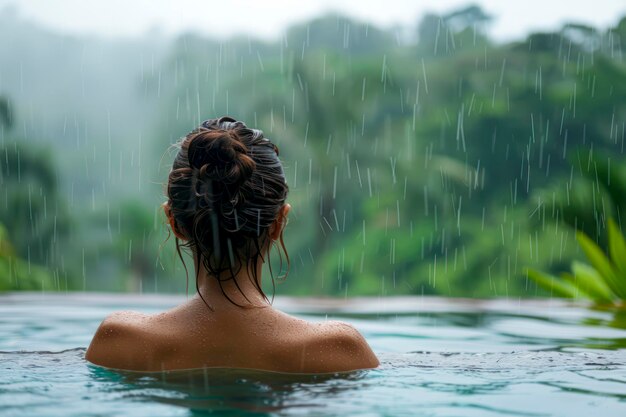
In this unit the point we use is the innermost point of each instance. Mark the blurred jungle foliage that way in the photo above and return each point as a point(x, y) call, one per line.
point(430, 161)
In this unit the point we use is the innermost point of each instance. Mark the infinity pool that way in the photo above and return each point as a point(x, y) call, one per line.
point(439, 357)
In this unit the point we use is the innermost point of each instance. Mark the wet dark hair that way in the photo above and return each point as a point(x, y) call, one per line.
point(225, 190)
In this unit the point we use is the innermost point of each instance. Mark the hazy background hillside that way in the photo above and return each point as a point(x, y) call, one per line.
point(427, 159)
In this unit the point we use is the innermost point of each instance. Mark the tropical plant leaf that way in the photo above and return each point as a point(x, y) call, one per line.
point(589, 280)
point(617, 248)
point(602, 264)
point(555, 285)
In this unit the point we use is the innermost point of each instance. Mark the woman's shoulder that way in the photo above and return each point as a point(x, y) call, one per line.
point(122, 341)
point(331, 346)
point(134, 341)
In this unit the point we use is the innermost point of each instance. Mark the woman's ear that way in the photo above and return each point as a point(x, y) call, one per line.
point(281, 221)
point(172, 222)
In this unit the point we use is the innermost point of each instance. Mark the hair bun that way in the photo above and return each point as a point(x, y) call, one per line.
point(220, 156)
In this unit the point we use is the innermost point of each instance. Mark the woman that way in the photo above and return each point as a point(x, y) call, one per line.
point(226, 203)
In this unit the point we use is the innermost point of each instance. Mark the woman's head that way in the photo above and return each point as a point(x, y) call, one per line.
point(226, 198)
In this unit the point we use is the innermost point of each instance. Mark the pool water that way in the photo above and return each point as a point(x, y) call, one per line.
point(439, 357)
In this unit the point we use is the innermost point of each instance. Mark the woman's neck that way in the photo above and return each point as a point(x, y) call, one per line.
point(242, 289)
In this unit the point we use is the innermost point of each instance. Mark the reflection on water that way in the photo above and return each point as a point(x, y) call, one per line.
point(616, 318)
point(231, 391)
point(438, 358)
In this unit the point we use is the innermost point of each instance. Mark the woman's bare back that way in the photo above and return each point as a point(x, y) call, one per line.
point(191, 336)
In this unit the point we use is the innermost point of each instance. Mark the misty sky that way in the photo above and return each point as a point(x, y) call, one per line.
point(269, 18)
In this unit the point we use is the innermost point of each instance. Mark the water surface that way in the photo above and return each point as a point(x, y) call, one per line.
point(439, 357)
